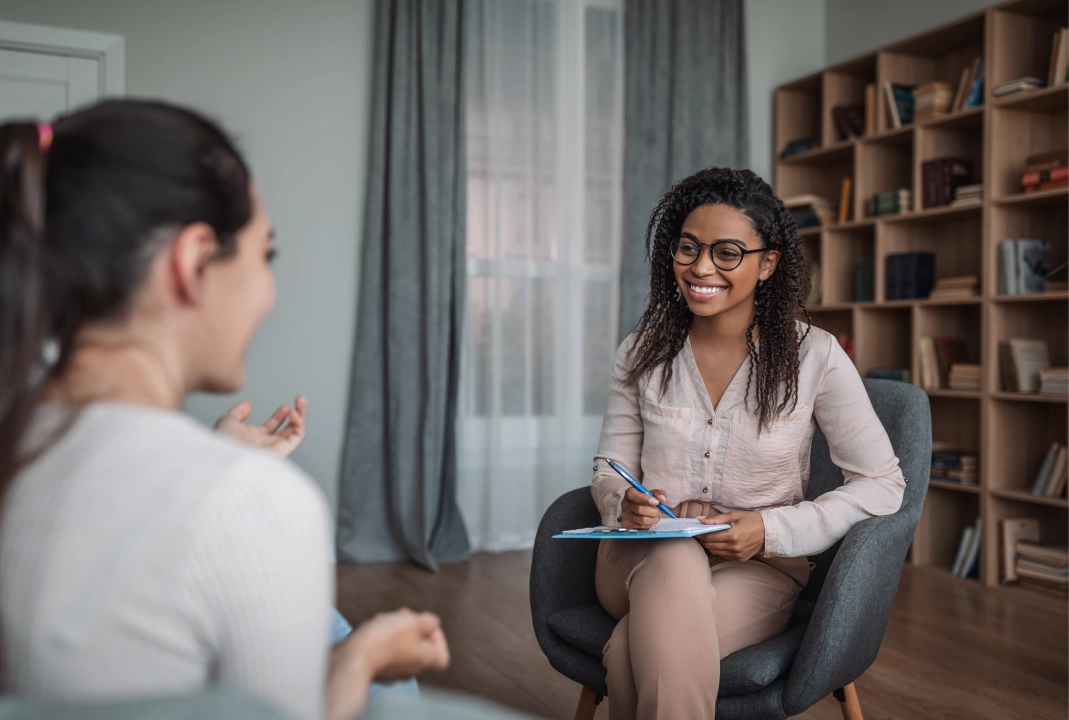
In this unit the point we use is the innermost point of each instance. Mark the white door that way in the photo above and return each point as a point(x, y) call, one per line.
point(47, 71)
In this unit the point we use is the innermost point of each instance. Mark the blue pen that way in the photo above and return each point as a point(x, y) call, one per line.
point(638, 486)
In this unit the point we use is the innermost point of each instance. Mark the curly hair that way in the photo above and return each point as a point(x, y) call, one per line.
point(662, 331)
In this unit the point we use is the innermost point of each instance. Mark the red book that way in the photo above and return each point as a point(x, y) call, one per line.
point(1033, 178)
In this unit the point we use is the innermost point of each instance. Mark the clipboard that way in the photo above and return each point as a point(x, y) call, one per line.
point(665, 529)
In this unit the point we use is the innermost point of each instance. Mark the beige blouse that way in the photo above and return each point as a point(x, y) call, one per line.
point(681, 444)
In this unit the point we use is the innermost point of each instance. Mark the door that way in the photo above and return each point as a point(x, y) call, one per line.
point(47, 71)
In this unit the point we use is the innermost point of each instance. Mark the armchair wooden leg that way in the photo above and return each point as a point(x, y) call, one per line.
point(851, 706)
point(588, 704)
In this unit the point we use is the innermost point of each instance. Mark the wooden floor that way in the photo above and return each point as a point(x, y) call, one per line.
point(952, 649)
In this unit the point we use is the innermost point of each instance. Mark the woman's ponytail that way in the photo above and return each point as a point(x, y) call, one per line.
point(24, 323)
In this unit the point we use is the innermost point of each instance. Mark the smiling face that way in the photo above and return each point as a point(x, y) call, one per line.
point(708, 289)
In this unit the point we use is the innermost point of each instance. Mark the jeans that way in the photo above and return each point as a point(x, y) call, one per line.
point(341, 629)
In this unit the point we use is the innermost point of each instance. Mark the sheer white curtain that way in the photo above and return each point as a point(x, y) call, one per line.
point(544, 135)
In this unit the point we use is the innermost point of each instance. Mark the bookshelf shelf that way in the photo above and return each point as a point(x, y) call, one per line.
point(1010, 432)
point(956, 487)
point(1025, 496)
point(809, 231)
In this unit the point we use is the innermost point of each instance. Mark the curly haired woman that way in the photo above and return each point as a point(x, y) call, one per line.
point(714, 400)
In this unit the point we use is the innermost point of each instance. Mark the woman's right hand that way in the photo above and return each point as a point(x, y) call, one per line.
point(639, 511)
point(401, 644)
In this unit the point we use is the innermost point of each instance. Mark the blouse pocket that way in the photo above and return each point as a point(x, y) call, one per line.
point(762, 470)
point(666, 441)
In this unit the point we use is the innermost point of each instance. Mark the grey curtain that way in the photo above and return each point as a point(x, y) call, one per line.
point(685, 109)
point(397, 497)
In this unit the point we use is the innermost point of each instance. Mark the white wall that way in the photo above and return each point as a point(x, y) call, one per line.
point(291, 82)
point(784, 41)
point(854, 27)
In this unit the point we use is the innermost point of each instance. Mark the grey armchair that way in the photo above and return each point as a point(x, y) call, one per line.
point(841, 614)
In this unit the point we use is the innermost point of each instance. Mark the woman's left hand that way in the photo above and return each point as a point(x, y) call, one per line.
point(744, 539)
point(271, 435)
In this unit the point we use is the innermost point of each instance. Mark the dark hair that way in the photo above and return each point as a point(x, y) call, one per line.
point(80, 223)
point(662, 331)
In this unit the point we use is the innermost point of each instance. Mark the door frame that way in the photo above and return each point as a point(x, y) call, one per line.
point(109, 50)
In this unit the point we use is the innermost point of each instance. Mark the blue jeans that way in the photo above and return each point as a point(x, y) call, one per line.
point(341, 629)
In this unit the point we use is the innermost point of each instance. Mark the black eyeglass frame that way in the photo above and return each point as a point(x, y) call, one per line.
point(743, 252)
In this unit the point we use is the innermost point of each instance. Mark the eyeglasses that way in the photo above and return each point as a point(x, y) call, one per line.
point(726, 254)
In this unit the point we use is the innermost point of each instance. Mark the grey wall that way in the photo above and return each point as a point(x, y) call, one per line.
point(784, 40)
point(291, 81)
point(854, 27)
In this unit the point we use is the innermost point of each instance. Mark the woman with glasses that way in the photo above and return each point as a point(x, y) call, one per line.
point(714, 400)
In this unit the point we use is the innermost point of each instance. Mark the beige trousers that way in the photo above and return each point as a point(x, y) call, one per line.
point(682, 611)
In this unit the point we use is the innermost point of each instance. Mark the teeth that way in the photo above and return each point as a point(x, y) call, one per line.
point(706, 290)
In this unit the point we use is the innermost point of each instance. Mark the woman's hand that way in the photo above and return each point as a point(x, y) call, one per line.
point(639, 511)
point(271, 435)
point(744, 539)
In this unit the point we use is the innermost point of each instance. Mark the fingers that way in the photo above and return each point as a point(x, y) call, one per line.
point(721, 519)
point(239, 412)
point(275, 421)
point(638, 498)
point(301, 406)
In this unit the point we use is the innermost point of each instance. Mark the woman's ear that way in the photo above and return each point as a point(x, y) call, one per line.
point(769, 261)
point(191, 250)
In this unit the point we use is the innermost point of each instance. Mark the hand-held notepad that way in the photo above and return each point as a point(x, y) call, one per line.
point(664, 529)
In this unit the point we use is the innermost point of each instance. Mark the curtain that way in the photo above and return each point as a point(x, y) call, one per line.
point(686, 109)
point(544, 161)
point(397, 497)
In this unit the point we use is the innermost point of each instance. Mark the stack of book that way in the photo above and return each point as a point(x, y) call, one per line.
point(1053, 473)
point(863, 279)
point(938, 355)
point(965, 563)
point(1044, 568)
point(968, 195)
point(899, 103)
point(1046, 171)
point(810, 210)
point(1023, 266)
point(970, 92)
point(964, 376)
point(932, 99)
point(1016, 85)
point(796, 147)
point(1054, 381)
point(899, 374)
point(1020, 362)
point(849, 120)
point(889, 202)
point(956, 288)
point(1058, 73)
point(909, 275)
point(942, 177)
point(958, 466)
point(1014, 530)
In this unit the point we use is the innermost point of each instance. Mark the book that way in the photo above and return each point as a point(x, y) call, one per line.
point(810, 210)
point(1058, 473)
point(1015, 530)
point(1016, 85)
point(892, 106)
point(964, 545)
point(949, 350)
point(969, 567)
point(976, 89)
point(903, 98)
point(941, 177)
point(1059, 58)
point(870, 109)
point(1054, 381)
point(844, 200)
point(959, 466)
point(928, 363)
point(799, 146)
point(889, 202)
point(951, 288)
point(849, 120)
point(863, 279)
point(1056, 556)
point(1024, 265)
point(932, 99)
point(963, 89)
point(1035, 177)
point(964, 376)
point(1046, 160)
point(909, 275)
point(1039, 485)
point(1028, 357)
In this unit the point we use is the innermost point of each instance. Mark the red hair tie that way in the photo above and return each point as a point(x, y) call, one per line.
point(44, 136)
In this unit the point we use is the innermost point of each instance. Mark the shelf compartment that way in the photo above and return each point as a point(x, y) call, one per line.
point(1043, 221)
point(946, 514)
point(1028, 497)
point(798, 111)
point(1040, 320)
point(845, 85)
point(836, 322)
point(882, 338)
point(1039, 100)
point(1022, 34)
point(1032, 133)
point(954, 238)
point(843, 249)
point(956, 420)
point(1025, 432)
point(947, 141)
point(949, 321)
point(883, 163)
point(1000, 506)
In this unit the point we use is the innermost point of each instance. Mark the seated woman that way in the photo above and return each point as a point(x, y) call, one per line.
point(140, 553)
point(714, 400)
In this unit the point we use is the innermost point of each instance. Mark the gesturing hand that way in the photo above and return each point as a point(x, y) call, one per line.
point(401, 644)
point(639, 511)
point(744, 539)
point(271, 435)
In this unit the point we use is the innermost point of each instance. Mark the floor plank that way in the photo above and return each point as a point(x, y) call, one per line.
point(953, 650)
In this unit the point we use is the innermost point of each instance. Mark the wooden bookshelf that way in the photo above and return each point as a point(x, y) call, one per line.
point(1011, 432)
